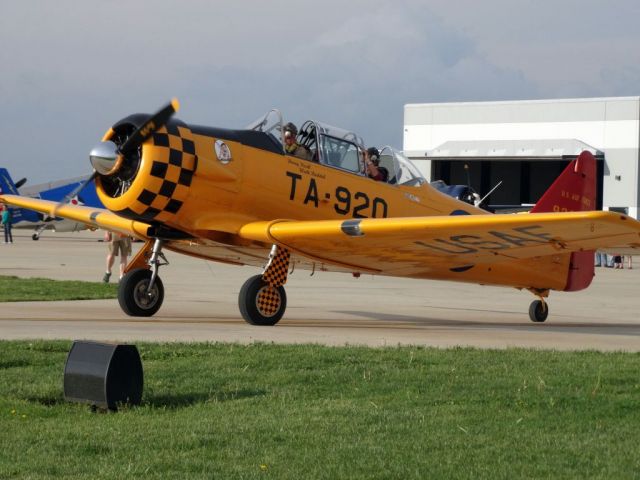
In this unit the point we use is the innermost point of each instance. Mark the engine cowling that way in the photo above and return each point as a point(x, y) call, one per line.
point(151, 182)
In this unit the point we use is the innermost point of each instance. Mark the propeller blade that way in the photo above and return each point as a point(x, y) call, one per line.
point(67, 198)
point(21, 182)
point(156, 122)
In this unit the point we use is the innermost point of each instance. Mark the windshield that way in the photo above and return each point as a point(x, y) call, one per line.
point(340, 153)
point(339, 148)
point(270, 124)
point(401, 170)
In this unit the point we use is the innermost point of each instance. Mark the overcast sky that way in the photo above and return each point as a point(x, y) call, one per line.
point(70, 69)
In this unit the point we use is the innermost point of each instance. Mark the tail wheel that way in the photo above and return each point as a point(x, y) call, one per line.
point(260, 303)
point(538, 311)
point(133, 296)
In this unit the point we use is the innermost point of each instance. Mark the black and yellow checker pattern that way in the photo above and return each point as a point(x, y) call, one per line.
point(278, 269)
point(162, 185)
point(268, 301)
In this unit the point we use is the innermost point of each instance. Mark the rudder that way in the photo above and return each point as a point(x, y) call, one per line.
point(573, 191)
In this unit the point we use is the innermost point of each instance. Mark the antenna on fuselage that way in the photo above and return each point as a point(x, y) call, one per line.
point(490, 192)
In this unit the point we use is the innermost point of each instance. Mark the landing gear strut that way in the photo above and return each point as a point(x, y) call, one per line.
point(38, 232)
point(141, 292)
point(262, 299)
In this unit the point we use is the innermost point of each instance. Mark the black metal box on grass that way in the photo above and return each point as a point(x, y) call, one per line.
point(103, 374)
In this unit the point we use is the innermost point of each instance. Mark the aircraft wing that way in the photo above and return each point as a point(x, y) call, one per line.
point(387, 245)
point(93, 217)
point(381, 243)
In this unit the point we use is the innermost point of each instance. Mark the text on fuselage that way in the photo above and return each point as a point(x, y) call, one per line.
point(357, 204)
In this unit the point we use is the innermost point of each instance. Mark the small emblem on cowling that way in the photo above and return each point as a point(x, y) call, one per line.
point(222, 152)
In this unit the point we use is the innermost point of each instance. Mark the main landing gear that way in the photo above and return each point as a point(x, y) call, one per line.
point(38, 232)
point(539, 310)
point(262, 299)
point(141, 292)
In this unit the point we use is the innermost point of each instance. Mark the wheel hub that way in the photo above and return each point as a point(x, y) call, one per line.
point(143, 298)
point(268, 301)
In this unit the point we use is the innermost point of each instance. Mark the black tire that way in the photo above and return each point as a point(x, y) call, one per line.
point(35, 237)
point(263, 311)
point(538, 311)
point(132, 295)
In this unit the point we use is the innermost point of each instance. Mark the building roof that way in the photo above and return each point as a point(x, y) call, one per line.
point(496, 149)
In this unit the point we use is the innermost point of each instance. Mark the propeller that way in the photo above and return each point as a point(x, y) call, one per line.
point(107, 158)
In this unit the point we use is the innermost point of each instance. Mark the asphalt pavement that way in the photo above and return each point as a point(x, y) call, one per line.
point(325, 308)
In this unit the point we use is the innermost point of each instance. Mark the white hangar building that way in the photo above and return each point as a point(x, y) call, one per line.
point(526, 144)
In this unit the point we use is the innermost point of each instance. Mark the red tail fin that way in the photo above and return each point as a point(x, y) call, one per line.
point(573, 191)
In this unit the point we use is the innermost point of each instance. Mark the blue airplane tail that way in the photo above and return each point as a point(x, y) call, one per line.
point(8, 186)
point(6, 183)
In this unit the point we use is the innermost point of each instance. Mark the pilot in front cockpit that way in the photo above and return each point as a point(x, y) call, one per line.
point(291, 146)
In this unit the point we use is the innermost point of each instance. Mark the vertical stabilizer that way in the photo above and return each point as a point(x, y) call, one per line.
point(6, 183)
point(8, 186)
point(573, 191)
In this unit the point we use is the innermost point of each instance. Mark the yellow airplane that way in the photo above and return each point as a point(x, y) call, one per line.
point(239, 197)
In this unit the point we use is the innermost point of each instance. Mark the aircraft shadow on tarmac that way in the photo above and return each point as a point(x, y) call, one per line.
point(377, 320)
point(583, 328)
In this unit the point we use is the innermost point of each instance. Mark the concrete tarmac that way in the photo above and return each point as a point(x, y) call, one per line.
point(332, 309)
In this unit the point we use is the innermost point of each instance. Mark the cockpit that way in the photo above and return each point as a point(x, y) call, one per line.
point(338, 148)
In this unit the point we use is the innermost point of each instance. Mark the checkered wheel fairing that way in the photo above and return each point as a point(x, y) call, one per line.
point(278, 269)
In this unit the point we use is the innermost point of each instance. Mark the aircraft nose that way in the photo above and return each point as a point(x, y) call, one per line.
point(104, 158)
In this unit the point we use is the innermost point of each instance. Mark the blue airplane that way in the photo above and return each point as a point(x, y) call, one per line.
point(55, 191)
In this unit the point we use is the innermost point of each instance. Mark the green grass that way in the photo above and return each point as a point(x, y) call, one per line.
point(268, 411)
point(15, 289)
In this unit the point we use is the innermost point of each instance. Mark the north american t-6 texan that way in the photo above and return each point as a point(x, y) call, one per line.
point(239, 197)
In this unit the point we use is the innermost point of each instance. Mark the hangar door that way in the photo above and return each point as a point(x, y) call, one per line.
point(523, 180)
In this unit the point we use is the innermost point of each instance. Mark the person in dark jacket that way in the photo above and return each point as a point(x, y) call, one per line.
point(372, 165)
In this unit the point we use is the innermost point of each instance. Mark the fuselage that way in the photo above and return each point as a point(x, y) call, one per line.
point(184, 184)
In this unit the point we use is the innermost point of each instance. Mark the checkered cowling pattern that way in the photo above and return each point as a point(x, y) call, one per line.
point(278, 269)
point(268, 301)
point(173, 163)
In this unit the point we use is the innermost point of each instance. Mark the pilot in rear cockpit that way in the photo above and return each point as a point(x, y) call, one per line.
point(372, 165)
point(291, 146)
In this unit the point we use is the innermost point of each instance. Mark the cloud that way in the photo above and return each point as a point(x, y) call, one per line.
point(72, 68)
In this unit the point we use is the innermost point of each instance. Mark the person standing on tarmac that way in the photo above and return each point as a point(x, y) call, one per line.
point(119, 244)
point(7, 220)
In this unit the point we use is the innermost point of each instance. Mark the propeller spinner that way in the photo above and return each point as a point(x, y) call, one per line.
point(105, 158)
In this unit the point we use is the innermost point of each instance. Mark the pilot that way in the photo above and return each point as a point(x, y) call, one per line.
point(373, 169)
point(291, 146)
